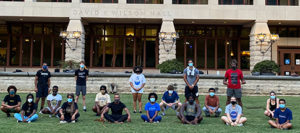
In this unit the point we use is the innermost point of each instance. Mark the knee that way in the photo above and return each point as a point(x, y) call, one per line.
point(161, 104)
point(223, 118)
point(245, 119)
point(179, 104)
point(204, 108)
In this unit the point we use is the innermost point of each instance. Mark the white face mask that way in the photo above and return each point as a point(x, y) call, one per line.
point(29, 100)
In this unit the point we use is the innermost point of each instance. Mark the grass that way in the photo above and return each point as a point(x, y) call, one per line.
point(253, 109)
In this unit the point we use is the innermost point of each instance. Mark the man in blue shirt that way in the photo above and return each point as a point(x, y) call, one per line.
point(170, 99)
point(283, 117)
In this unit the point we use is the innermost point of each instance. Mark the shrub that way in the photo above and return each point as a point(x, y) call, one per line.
point(171, 66)
point(266, 66)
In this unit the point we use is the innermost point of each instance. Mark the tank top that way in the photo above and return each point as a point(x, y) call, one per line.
point(190, 109)
point(273, 107)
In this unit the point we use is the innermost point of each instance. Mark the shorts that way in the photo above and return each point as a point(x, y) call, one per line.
point(81, 89)
point(11, 110)
point(141, 91)
point(189, 118)
point(188, 91)
point(234, 92)
point(42, 91)
point(53, 108)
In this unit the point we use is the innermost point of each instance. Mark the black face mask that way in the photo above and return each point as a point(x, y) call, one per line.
point(233, 67)
point(117, 100)
point(191, 101)
point(233, 102)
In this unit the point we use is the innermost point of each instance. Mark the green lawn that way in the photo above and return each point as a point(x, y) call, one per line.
point(253, 109)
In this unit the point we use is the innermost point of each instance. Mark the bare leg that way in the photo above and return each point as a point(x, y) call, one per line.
point(267, 113)
point(162, 107)
point(140, 101)
point(83, 100)
point(43, 102)
point(228, 100)
point(76, 99)
point(272, 123)
point(225, 119)
point(134, 95)
point(287, 126)
point(197, 99)
point(239, 100)
point(46, 111)
point(242, 120)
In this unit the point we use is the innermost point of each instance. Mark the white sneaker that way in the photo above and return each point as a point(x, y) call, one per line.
point(156, 122)
point(227, 124)
point(73, 121)
point(41, 112)
point(146, 121)
point(57, 116)
point(62, 122)
point(29, 122)
point(239, 125)
point(163, 114)
point(50, 116)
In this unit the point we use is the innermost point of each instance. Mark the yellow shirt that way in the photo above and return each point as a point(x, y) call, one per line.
point(102, 99)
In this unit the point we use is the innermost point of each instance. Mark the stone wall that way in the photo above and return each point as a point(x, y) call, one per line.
point(155, 83)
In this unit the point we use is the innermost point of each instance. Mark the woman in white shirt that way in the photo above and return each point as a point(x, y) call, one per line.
point(137, 82)
point(101, 101)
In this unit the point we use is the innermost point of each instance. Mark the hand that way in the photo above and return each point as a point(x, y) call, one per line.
point(24, 120)
point(36, 89)
point(53, 111)
point(151, 121)
point(182, 120)
point(73, 117)
point(195, 121)
point(225, 83)
point(102, 118)
point(62, 117)
point(9, 107)
point(191, 87)
point(272, 114)
point(243, 82)
point(232, 124)
point(169, 104)
point(128, 119)
point(210, 111)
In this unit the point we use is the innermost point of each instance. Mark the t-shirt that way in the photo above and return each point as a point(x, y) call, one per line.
point(102, 99)
point(43, 77)
point(170, 99)
point(234, 78)
point(212, 101)
point(81, 76)
point(11, 101)
point(152, 108)
point(54, 99)
point(116, 109)
point(191, 78)
point(233, 112)
point(29, 109)
point(137, 80)
point(283, 116)
point(67, 108)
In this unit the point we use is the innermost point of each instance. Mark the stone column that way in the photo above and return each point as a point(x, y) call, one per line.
point(164, 54)
point(255, 47)
point(75, 48)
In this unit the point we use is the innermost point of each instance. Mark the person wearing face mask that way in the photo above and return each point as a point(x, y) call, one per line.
point(283, 116)
point(233, 114)
point(191, 78)
point(81, 76)
point(190, 112)
point(11, 102)
point(137, 83)
point(116, 108)
point(28, 112)
point(42, 84)
point(212, 104)
point(170, 99)
point(152, 108)
point(69, 110)
point(101, 101)
point(53, 101)
point(233, 79)
point(272, 104)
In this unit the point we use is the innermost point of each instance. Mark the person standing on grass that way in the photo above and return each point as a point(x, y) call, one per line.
point(81, 76)
point(233, 114)
point(232, 79)
point(272, 105)
point(117, 108)
point(11, 102)
point(191, 78)
point(42, 83)
point(137, 83)
point(212, 104)
point(53, 101)
point(190, 112)
point(152, 108)
point(170, 99)
point(283, 116)
point(101, 101)
point(28, 112)
point(69, 110)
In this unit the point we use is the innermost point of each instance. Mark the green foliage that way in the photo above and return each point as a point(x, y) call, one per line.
point(69, 65)
point(266, 66)
point(171, 65)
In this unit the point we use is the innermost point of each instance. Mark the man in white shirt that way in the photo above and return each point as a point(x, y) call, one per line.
point(53, 101)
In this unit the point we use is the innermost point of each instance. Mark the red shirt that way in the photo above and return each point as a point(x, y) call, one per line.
point(234, 78)
point(212, 101)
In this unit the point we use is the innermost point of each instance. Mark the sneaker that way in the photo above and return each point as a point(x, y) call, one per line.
point(28, 121)
point(141, 112)
point(134, 111)
point(156, 122)
point(73, 121)
point(8, 114)
point(207, 115)
point(84, 110)
point(41, 112)
point(50, 116)
point(97, 114)
point(62, 122)
point(146, 121)
point(18, 121)
point(163, 114)
point(56, 116)
point(239, 125)
point(227, 124)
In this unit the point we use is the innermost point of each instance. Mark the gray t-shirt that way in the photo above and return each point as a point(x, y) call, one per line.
point(233, 112)
point(191, 78)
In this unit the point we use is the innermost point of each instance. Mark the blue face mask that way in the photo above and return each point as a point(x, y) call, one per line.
point(272, 97)
point(170, 92)
point(211, 94)
point(12, 92)
point(191, 64)
point(81, 66)
point(152, 100)
point(45, 67)
point(70, 100)
point(281, 106)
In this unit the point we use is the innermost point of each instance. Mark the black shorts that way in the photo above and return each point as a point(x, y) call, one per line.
point(189, 118)
point(42, 91)
point(188, 91)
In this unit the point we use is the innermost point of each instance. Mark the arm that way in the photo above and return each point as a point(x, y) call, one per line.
point(3, 104)
point(199, 112)
point(58, 105)
point(197, 79)
point(35, 83)
point(277, 105)
point(217, 107)
point(86, 78)
point(225, 81)
point(75, 78)
point(143, 85)
point(237, 119)
point(49, 105)
point(22, 115)
point(49, 83)
point(185, 80)
point(243, 81)
point(33, 112)
point(268, 106)
point(131, 84)
point(128, 113)
point(229, 118)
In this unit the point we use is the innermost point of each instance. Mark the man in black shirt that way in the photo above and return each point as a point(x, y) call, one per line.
point(81, 76)
point(11, 102)
point(117, 108)
point(42, 84)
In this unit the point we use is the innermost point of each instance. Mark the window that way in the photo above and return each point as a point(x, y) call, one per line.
point(13, 0)
point(236, 2)
point(53, 0)
point(190, 2)
point(283, 2)
point(100, 1)
point(145, 1)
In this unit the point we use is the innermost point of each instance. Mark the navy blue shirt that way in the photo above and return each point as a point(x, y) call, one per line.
point(81, 76)
point(283, 116)
point(170, 99)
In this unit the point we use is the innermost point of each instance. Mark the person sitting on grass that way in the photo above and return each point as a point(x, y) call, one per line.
point(272, 104)
point(233, 114)
point(190, 112)
point(101, 101)
point(28, 112)
point(170, 99)
point(283, 117)
point(152, 108)
point(212, 104)
point(53, 101)
point(69, 110)
point(117, 108)
point(11, 102)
